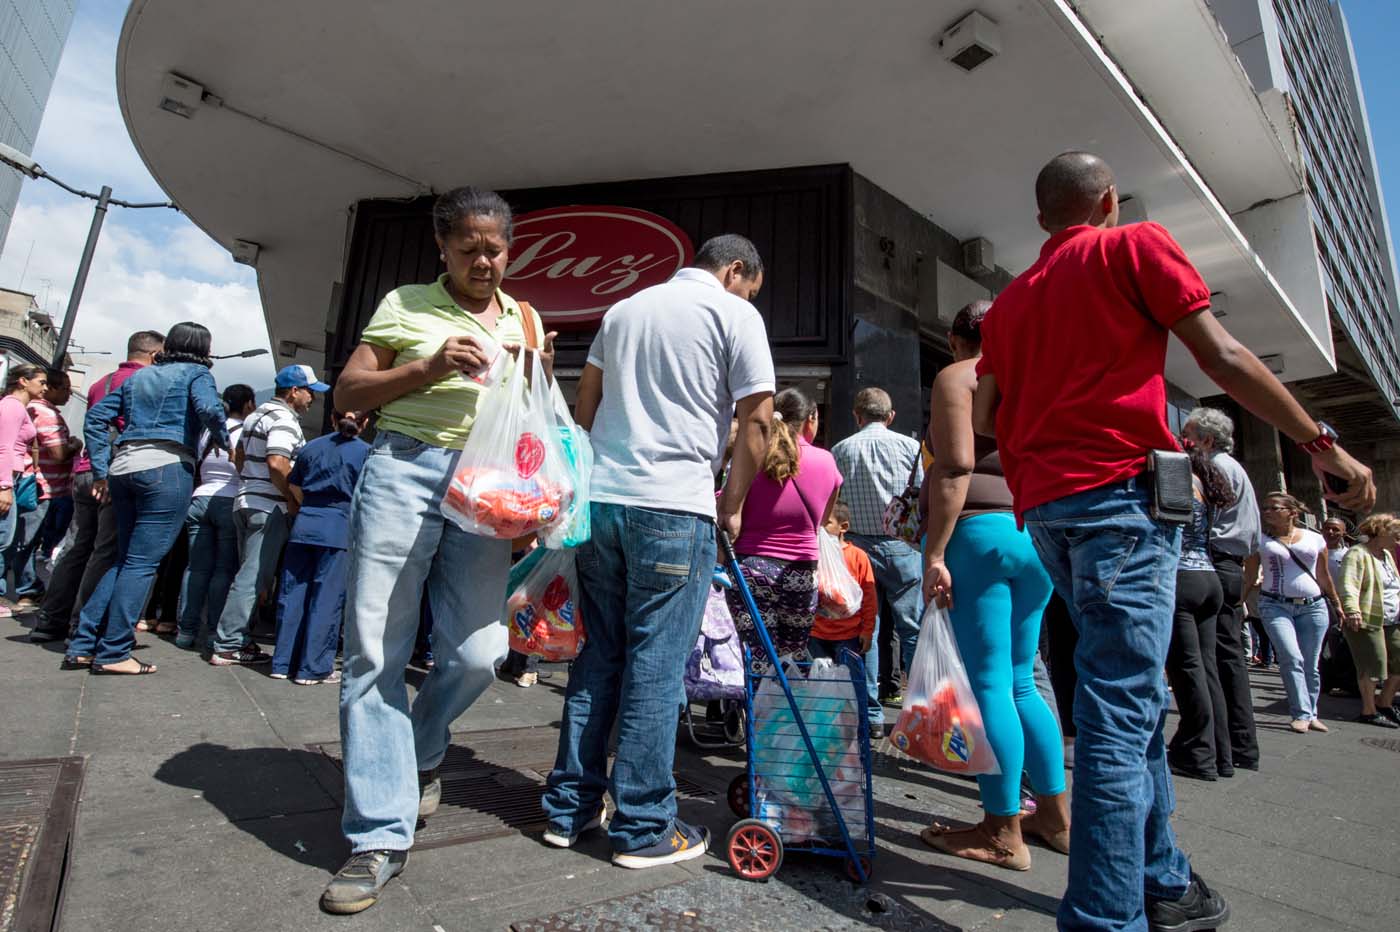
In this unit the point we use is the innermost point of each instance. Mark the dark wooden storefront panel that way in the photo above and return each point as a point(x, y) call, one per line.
point(800, 220)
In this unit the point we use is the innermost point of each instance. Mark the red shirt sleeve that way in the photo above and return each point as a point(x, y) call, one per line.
point(1164, 281)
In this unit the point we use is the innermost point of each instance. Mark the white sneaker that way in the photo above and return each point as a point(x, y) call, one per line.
point(552, 837)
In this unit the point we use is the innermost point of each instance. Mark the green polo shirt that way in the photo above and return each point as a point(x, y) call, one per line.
point(414, 321)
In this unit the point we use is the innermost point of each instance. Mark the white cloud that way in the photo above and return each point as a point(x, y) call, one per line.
point(83, 139)
point(139, 280)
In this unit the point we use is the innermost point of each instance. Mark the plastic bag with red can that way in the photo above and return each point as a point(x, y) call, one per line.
point(838, 592)
point(511, 478)
point(940, 723)
point(542, 614)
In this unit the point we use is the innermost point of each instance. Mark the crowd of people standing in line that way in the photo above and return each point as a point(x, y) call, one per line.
point(165, 458)
point(1037, 483)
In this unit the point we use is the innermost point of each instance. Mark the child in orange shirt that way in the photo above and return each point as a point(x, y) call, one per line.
point(830, 635)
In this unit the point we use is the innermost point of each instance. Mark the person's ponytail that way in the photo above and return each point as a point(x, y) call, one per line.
point(791, 410)
point(780, 464)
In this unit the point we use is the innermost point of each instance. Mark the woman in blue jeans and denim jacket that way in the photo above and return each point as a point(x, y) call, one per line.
point(150, 478)
point(1293, 598)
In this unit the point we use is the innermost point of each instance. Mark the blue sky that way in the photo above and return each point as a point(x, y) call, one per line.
point(154, 268)
point(1375, 30)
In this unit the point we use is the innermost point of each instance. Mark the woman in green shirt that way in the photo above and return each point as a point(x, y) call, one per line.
point(1371, 617)
point(415, 365)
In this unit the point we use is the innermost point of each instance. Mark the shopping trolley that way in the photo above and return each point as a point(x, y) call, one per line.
point(807, 785)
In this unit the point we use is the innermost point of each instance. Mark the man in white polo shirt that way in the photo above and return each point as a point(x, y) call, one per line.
point(264, 509)
point(668, 369)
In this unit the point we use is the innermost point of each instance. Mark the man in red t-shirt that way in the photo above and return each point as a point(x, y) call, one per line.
point(94, 546)
point(1070, 383)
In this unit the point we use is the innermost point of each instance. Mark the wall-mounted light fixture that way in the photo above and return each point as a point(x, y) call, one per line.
point(970, 41)
point(245, 252)
point(179, 95)
point(1274, 362)
point(1219, 304)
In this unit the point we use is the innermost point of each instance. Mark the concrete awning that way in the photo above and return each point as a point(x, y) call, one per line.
point(325, 103)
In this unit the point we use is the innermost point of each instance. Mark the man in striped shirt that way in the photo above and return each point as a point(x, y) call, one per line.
point(263, 511)
point(42, 528)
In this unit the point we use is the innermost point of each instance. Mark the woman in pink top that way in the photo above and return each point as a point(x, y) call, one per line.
point(789, 500)
point(24, 384)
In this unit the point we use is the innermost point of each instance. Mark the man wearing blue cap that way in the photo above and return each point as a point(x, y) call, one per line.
point(264, 509)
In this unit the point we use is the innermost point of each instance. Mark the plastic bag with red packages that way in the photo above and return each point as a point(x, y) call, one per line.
point(940, 723)
point(511, 478)
point(542, 615)
point(838, 592)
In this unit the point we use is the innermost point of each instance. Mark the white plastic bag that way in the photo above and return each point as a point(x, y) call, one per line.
point(573, 528)
point(940, 723)
point(511, 478)
point(838, 592)
point(542, 610)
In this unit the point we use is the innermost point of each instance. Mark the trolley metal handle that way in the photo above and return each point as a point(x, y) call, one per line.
point(731, 561)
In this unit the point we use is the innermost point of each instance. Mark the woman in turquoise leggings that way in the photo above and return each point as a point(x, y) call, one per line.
point(1001, 593)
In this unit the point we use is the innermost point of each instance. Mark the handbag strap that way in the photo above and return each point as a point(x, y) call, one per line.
point(527, 324)
point(1301, 565)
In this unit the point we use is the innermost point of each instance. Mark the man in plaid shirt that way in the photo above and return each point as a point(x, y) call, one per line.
point(876, 463)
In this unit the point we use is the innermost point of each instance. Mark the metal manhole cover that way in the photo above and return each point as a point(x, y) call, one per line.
point(491, 785)
point(1385, 744)
point(38, 808)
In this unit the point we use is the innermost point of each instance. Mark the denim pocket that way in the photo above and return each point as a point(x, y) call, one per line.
point(1097, 557)
point(661, 548)
point(389, 443)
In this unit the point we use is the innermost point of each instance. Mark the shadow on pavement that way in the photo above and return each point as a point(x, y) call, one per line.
point(273, 794)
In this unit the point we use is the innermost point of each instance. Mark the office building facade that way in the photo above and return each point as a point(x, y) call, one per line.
point(32, 36)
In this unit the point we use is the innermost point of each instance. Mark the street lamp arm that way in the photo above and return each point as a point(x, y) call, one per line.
point(121, 203)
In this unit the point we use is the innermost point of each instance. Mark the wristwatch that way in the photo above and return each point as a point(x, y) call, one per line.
point(1325, 440)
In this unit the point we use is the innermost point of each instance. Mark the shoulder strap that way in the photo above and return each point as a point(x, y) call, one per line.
point(527, 323)
point(1301, 565)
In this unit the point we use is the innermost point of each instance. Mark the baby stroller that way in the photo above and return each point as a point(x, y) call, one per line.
point(714, 674)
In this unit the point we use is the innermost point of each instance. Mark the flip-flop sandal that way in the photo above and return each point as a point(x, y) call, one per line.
point(145, 625)
point(75, 663)
point(141, 670)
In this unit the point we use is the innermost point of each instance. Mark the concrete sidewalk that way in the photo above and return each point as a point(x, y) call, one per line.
point(205, 809)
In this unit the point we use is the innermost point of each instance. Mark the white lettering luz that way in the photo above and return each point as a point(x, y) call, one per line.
point(618, 274)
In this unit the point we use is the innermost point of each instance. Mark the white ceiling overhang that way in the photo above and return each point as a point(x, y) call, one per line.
point(326, 103)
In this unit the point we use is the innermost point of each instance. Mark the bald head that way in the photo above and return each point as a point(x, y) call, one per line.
point(1072, 189)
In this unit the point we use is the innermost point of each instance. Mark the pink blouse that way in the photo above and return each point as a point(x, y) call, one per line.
point(781, 521)
point(16, 434)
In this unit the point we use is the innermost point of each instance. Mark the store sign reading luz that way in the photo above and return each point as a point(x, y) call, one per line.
point(573, 263)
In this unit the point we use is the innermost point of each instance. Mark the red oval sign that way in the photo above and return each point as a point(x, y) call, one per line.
point(573, 263)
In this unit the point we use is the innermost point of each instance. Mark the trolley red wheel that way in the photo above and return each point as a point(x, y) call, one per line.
point(865, 867)
point(739, 796)
point(755, 850)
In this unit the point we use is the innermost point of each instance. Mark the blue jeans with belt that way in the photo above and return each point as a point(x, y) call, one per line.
point(1297, 632)
point(1115, 567)
point(400, 547)
point(149, 507)
point(644, 578)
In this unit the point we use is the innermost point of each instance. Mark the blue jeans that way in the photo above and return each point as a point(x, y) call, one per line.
point(1001, 591)
point(1115, 567)
point(309, 611)
point(261, 537)
point(400, 545)
point(150, 508)
point(213, 538)
point(9, 528)
point(19, 556)
point(1297, 633)
point(899, 576)
point(643, 581)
